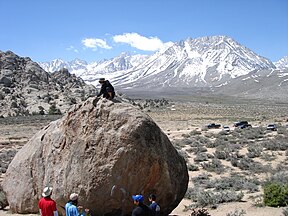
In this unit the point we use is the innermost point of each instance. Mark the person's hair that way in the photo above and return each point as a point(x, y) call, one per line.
point(74, 202)
point(152, 197)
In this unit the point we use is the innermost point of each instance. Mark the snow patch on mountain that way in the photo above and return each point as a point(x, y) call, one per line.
point(282, 63)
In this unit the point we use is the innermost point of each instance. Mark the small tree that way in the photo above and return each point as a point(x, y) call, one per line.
point(53, 110)
point(276, 195)
point(41, 110)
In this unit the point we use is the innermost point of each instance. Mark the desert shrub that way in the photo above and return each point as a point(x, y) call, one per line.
point(192, 167)
point(53, 110)
point(223, 152)
point(200, 140)
point(281, 167)
point(195, 132)
point(279, 143)
point(257, 200)
point(237, 212)
point(255, 133)
point(183, 154)
point(201, 179)
point(200, 157)
point(235, 182)
point(282, 130)
point(278, 178)
point(268, 157)
point(285, 212)
point(72, 100)
point(3, 199)
point(198, 149)
point(185, 135)
point(210, 198)
point(254, 151)
point(246, 163)
point(276, 194)
point(214, 166)
point(221, 141)
point(200, 212)
point(41, 110)
point(209, 135)
point(191, 194)
point(179, 143)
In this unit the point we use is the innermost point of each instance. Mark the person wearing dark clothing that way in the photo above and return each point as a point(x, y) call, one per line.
point(107, 90)
point(154, 206)
point(141, 209)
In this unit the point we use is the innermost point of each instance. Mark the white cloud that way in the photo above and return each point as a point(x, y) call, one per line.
point(95, 42)
point(72, 48)
point(141, 42)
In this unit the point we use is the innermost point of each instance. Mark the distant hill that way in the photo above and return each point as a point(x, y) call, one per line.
point(26, 88)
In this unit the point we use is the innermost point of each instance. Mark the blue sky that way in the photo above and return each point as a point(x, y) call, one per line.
point(96, 29)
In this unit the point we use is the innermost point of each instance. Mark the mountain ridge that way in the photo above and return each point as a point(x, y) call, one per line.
point(206, 61)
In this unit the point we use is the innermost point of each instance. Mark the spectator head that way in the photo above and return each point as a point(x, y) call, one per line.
point(138, 199)
point(152, 197)
point(47, 191)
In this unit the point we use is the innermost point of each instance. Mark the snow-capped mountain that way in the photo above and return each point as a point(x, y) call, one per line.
point(76, 66)
point(206, 61)
point(282, 63)
point(200, 62)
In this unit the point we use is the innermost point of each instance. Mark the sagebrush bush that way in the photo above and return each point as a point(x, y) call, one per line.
point(235, 182)
point(246, 163)
point(237, 212)
point(192, 167)
point(254, 151)
point(214, 166)
point(280, 177)
point(276, 195)
point(285, 212)
point(200, 212)
point(268, 157)
point(200, 157)
point(201, 180)
point(210, 198)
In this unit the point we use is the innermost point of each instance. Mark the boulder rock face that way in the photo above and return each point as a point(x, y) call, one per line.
point(106, 152)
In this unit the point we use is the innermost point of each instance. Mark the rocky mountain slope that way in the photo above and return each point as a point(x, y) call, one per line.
point(25, 88)
point(271, 84)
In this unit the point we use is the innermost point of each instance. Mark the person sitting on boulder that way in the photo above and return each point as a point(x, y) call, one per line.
point(107, 90)
point(47, 206)
point(141, 209)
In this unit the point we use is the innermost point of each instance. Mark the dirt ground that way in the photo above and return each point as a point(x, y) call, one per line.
point(177, 120)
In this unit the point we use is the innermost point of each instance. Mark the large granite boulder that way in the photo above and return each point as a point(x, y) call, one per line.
point(106, 152)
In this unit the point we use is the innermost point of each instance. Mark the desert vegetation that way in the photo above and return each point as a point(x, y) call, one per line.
point(241, 166)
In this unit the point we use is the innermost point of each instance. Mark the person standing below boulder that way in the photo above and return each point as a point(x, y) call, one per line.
point(141, 209)
point(107, 90)
point(47, 206)
point(154, 206)
point(71, 206)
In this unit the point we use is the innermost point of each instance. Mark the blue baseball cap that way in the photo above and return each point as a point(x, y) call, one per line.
point(138, 198)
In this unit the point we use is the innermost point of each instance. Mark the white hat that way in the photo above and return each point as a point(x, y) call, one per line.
point(73, 196)
point(47, 191)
